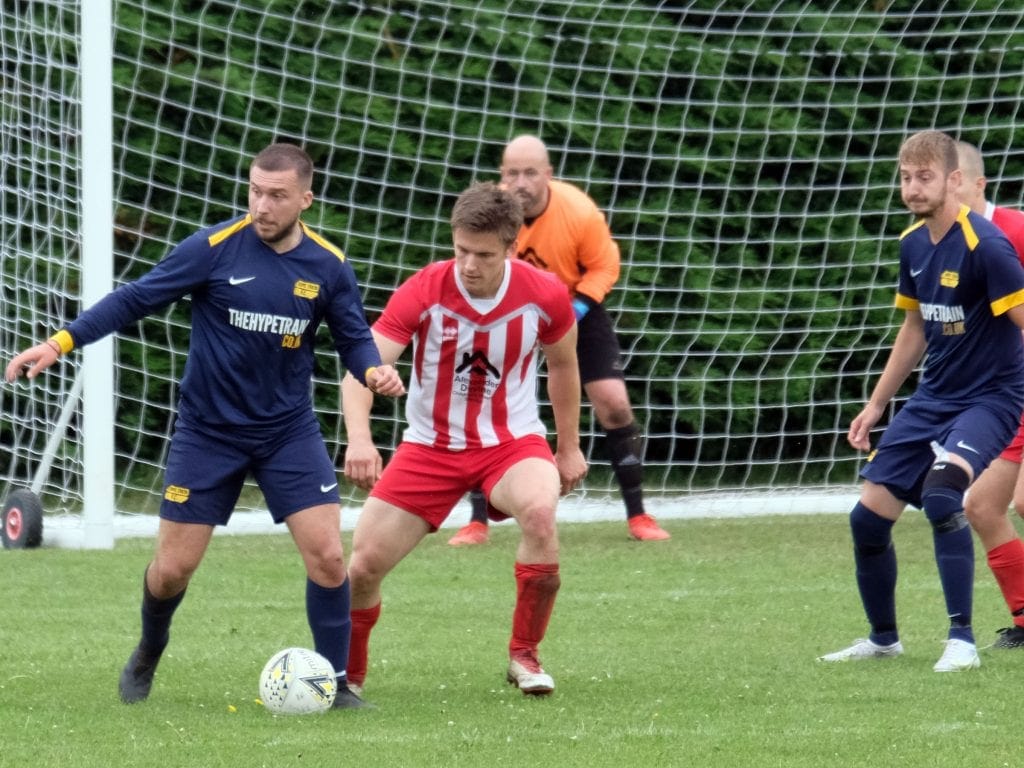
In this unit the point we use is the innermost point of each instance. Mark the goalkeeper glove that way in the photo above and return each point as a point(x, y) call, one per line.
point(580, 307)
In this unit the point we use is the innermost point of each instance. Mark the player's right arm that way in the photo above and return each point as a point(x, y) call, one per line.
point(36, 359)
point(363, 463)
point(173, 277)
point(904, 357)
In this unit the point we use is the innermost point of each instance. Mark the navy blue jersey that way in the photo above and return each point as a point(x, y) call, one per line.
point(963, 286)
point(255, 315)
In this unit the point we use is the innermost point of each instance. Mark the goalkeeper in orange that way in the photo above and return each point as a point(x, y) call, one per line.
point(565, 233)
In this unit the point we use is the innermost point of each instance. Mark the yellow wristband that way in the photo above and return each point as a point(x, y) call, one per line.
point(366, 376)
point(64, 342)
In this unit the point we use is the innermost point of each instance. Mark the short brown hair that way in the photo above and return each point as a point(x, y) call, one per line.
point(286, 157)
point(927, 147)
point(486, 207)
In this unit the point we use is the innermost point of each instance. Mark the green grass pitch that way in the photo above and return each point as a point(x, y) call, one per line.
point(699, 651)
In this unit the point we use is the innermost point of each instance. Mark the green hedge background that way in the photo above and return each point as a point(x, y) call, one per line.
point(758, 228)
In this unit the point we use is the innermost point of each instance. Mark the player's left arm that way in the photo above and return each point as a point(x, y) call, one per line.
point(1004, 274)
point(363, 463)
point(1017, 315)
point(564, 394)
point(346, 319)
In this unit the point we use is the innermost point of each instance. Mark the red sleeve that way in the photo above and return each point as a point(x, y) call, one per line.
point(558, 305)
point(401, 317)
point(1011, 221)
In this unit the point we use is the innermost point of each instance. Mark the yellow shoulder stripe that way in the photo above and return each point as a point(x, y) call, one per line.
point(969, 234)
point(319, 240)
point(911, 228)
point(223, 234)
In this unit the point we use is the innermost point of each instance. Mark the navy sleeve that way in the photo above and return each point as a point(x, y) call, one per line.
point(184, 269)
point(346, 319)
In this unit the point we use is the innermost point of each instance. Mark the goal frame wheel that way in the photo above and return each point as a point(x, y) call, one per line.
point(21, 526)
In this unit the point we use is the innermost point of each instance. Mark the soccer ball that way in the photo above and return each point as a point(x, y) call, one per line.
point(298, 681)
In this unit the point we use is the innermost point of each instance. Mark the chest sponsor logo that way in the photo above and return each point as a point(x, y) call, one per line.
point(290, 329)
point(942, 313)
point(950, 316)
point(475, 377)
point(477, 363)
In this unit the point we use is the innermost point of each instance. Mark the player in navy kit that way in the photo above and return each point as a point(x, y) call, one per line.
point(260, 285)
point(962, 288)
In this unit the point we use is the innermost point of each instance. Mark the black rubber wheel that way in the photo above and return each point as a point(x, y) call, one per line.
point(22, 521)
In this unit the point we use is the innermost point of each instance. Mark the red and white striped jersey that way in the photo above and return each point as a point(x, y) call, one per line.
point(474, 377)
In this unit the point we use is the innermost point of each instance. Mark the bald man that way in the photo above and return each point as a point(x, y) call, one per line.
point(564, 232)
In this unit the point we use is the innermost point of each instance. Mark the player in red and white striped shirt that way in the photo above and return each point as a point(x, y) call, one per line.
point(566, 234)
point(1003, 481)
point(476, 324)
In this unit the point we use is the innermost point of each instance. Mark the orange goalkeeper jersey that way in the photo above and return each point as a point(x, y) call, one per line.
point(571, 238)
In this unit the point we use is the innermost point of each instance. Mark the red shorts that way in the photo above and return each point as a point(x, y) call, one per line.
point(1015, 450)
point(428, 482)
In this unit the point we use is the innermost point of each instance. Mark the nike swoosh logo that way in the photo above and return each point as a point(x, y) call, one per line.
point(239, 280)
point(326, 488)
point(916, 272)
point(965, 446)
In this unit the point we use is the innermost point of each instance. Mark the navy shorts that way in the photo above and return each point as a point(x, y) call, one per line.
point(597, 347)
point(978, 432)
point(206, 470)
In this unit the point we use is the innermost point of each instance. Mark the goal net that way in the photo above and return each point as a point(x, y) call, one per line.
point(746, 160)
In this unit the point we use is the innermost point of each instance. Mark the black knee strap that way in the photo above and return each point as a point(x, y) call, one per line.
point(942, 496)
point(945, 475)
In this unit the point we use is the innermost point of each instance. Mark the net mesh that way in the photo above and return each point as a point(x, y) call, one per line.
point(745, 160)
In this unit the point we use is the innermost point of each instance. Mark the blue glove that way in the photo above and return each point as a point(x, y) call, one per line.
point(580, 307)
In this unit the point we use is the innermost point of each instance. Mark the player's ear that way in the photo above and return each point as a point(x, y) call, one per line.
point(307, 199)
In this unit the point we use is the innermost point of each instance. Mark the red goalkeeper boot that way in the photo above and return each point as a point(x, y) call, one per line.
point(645, 528)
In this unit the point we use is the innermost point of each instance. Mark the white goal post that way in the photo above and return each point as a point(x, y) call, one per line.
point(745, 159)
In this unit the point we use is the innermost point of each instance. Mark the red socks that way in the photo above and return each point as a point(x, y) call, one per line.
point(363, 620)
point(1007, 564)
point(536, 587)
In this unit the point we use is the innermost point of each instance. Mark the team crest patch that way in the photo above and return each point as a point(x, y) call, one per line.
point(949, 279)
point(306, 290)
point(176, 494)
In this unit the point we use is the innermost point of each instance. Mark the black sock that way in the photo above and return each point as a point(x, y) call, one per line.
point(626, 451)
point(156, 620)
point(479, 503)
